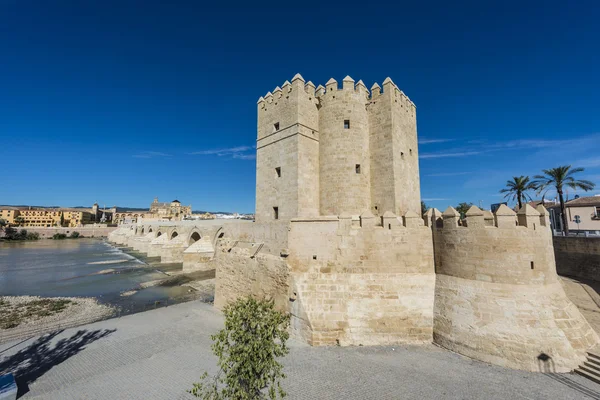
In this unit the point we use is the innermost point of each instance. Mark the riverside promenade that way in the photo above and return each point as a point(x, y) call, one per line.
point(158, 354)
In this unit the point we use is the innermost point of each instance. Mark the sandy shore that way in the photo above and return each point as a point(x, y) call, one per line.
point(80, 310)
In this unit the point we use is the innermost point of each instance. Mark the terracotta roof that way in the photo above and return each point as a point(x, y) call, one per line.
point(546, 203)
point(584, 202)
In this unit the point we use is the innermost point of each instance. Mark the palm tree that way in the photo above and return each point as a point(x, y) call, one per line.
point(516, 190)
point(560, 177)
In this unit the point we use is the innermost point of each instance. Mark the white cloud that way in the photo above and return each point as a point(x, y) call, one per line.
point(588, 162)
point(150, 154)
point(429, 141)
point(450, 154)
point(449, 174)
point(239, 152)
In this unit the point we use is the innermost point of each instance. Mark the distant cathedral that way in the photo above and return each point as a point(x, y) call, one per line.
point(173, 210)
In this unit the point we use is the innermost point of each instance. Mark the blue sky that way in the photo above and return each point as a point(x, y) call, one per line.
point(122, 101)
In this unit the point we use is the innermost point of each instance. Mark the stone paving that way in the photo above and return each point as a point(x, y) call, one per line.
point(159, 353)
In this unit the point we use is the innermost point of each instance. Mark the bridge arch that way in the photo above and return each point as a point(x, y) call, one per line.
point(194, 237)
point(174, 234)
point(219, 234)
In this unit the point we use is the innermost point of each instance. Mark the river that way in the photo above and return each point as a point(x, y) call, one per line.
point(78, 268)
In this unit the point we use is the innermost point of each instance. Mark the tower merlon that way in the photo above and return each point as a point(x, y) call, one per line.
point(451, 217)
point(505, 217)
point(298, 77)
point(375, 90)
point(544, 215)
point(389, 220)
point(348, 83)
point(367, 219)
point(277, 92)
point(528, 216)
point(320, 91)
point(412, 219)
point(269, 97)
point(331, 85)
point(362, 88)
point(286, 87)
point(388, 85)
point(310, 88)
point(475, 217)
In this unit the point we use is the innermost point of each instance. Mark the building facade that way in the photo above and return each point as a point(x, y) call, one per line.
point(46, 218)
point(587, 209)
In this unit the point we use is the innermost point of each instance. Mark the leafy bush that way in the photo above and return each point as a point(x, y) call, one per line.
point(59, 236)
point(13, 234)
point(74, 235)
point(254, 336)
point(32, 236)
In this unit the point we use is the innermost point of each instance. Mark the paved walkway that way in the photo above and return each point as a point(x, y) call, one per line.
point(158, 354)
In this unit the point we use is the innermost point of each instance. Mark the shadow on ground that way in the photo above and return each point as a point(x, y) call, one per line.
point(34, 361)
point(567, 381)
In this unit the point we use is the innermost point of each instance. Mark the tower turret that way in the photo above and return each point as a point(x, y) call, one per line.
point(287, 153)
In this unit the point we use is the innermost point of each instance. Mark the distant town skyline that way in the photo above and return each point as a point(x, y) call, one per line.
point(120, 102)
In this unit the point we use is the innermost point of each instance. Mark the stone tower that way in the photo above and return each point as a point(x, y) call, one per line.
point(331, 150)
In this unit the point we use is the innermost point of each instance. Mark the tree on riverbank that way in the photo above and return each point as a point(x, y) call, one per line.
point(13, 234)
point(254, 336)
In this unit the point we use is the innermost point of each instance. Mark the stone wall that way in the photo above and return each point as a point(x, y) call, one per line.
point(86, 231)
point(497, 294)
point(243, 270)
point(371, 284)
point(349, 284)
point(250, 259)
point(578, 257)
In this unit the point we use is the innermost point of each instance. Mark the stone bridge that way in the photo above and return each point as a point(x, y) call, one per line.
point(189, 242)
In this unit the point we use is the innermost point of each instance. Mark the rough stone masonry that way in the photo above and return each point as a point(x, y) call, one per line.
point(339, 241)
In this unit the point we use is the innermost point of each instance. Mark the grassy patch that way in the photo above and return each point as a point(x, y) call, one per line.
point(12, 315)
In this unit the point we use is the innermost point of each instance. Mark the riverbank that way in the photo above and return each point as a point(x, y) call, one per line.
point(26, 315)
point(98, 231)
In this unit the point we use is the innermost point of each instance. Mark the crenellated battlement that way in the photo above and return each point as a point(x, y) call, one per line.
point(504, 218)
point(332, 89)
point(286, 91)
point(516, 247)
point(498, 297)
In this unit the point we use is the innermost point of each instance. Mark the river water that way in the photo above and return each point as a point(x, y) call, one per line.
point(80, 268)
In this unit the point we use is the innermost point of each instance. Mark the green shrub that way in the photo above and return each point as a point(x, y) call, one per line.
point(74, 235)
point(254, 336)
point(33, 236)
point(13, 234)
point(59, 236)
